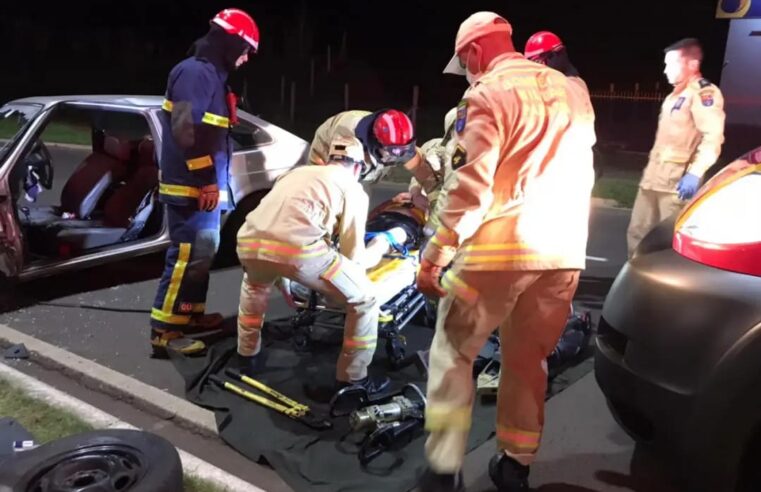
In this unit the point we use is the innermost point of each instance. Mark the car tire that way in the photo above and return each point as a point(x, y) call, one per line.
point(102, 461)
point(226, 254)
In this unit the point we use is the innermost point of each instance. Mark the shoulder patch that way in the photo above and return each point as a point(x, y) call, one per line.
point(459, 157)
point(704, 83)
point(462, 116)
point(706, 98)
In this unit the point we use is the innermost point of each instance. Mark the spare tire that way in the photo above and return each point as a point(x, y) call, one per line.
point(98, 461)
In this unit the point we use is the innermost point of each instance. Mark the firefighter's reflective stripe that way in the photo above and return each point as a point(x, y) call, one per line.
point(179, 190)
point(199, 308)
point(456, 286)
point(279, 248)
point(503, 253)
point(208, 118)
point(170, 318)
point(216, 120)
point(444, 237)
point(166, 313)
point(364, 343)
point(442, 417)
point(251, 320)
point(518, 440)
point(199, 163)
point(333, 269)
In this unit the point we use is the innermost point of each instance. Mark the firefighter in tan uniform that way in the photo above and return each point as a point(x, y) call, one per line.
point(514, 229)
point(288, 235)
point(387, 137)
point(687, 143)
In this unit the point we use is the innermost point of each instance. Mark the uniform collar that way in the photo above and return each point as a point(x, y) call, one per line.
point(678, 89)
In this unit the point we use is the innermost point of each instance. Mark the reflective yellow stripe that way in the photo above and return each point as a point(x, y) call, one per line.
point(169, 318)
point(441, 418)
point(208, 118)
point(216, 120)
point(280, 248)
point(179, 190)
point(199, 163)
point(513, 438)
point(456, 286)
point(251, 320)
point(176, 280)
point(386, 318)
point(444, 237)
point(364, 342)
point(333, 270)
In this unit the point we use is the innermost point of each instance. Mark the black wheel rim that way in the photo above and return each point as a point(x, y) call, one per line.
point(94, 469)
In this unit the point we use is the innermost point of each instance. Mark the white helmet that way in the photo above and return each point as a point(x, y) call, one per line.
point(346, 150)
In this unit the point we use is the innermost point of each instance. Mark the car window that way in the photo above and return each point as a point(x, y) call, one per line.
point(247, 135)
point(14, 119)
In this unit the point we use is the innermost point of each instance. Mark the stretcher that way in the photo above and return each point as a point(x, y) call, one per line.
point(394, 279)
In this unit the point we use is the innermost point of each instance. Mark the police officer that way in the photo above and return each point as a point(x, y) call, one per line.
point(687, 143)
point(194, 162)
point(289, 235)
point(513, 226)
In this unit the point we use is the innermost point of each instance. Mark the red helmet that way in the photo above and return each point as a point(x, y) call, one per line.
point(395, 135)
point(541, 43)
point(236, 21)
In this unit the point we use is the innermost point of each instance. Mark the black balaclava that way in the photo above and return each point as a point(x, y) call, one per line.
point(559, 61)
point(220, 48)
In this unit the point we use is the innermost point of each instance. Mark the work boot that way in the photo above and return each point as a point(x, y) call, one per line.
point(372, 384)
point(203, 322)
point(441, 482)
point(164, 340)
point(507, 474)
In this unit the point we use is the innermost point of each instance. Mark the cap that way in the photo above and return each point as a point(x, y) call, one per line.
point(477, 25)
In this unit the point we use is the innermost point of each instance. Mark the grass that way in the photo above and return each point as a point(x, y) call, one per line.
point(622, 190)
point(55, 132)
point(48, 423)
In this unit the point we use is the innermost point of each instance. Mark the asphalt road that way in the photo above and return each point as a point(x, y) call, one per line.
point(102, 314)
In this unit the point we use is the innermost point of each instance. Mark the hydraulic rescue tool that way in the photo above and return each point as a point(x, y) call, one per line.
point(390, 424)
point(286, 406)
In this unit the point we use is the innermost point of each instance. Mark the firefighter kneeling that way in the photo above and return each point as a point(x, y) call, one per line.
point(288, 235)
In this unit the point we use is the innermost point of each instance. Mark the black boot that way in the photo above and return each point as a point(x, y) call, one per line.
point(249, 365)
point(441, 482)
point(507, 474)
point(372, 384)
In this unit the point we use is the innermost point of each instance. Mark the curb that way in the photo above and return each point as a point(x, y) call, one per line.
point(191, 464)
point(115, 384)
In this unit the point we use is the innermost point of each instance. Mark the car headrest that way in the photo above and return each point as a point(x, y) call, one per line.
point(119, 149)
point(146, 153)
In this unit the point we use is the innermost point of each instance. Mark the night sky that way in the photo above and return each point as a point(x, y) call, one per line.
point(78, 46)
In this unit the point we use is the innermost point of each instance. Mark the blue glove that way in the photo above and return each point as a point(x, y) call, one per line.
point(687, 186)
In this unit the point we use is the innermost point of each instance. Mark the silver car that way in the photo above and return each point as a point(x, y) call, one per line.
point(79, 181)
